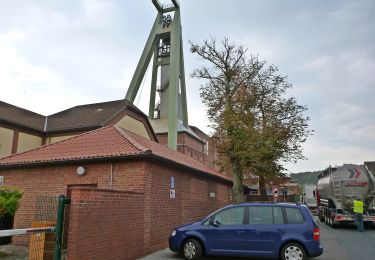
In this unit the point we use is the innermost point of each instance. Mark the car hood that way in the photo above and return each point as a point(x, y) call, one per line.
point(188, 226)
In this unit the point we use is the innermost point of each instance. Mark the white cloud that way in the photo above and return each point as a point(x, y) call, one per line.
point(98, 13)
point(321, 154)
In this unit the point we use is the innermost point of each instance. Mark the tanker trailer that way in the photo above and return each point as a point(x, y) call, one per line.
point(337, 188)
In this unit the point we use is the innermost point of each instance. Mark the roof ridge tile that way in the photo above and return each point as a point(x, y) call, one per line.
point(132, 141)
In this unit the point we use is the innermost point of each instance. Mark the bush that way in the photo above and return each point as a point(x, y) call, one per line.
point(9, 201)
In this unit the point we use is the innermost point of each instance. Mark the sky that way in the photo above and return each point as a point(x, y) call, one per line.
point(55, 54)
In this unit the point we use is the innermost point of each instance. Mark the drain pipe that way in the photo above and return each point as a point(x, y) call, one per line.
point(110, 184)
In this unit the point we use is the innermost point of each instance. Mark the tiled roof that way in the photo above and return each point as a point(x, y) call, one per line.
point(79, 117)
point(21, 117)
point(106, 142)
point(86, 116)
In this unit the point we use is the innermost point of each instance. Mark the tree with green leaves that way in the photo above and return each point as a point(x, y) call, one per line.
point(256, 126)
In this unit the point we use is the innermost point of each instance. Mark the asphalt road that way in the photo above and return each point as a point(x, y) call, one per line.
point(346, 243)
point(342, 243)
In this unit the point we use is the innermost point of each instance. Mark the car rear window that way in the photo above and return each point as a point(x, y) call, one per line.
point(294, 216)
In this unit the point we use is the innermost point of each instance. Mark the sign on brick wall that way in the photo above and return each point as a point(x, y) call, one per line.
point(172, 191)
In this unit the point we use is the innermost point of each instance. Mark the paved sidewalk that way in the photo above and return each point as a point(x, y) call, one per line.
point(11, 252)
point(166, 254)
point(162, 254)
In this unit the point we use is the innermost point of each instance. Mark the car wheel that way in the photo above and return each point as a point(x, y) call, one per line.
point(293, 251)
point(192, 249)
point(321, 218)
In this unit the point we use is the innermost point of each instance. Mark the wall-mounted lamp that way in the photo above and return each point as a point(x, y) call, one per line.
point(81, 170)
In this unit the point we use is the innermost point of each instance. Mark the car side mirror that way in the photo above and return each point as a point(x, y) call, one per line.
point(214, 222)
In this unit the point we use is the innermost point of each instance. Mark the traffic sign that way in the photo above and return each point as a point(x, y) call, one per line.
point(275, 192)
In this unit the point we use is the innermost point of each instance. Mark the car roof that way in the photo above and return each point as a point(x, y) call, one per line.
point(267, 203)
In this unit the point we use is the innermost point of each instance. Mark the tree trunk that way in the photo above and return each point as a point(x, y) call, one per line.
point(237, 182)
point(262, 189)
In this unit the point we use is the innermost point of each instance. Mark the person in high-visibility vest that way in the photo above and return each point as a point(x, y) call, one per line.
point(358, 211)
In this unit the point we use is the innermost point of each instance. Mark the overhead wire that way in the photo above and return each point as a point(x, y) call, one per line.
point(143, 83)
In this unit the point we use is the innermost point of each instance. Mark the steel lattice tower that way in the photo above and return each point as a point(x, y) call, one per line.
point(164, 44)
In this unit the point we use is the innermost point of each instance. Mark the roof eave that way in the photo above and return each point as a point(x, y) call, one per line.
point(144, 155)
point(174, 163)
point(71, 161)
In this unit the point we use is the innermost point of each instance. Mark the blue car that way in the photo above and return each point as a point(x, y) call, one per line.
point(278, 230)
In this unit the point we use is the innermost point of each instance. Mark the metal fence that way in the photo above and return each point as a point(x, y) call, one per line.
point(42, 244)
point(47, 236)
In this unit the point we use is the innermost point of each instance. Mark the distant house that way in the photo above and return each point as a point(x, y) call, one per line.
point(290, 186)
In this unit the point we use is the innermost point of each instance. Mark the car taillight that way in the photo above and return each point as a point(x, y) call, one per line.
point(338, 217)
point(316, 235)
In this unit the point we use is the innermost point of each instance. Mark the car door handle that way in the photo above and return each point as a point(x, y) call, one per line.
point(240, 233)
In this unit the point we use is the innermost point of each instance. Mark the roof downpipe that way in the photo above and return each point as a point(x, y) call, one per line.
point(45, 125)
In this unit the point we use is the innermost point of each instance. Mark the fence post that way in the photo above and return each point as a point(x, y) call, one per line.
point(59, 225)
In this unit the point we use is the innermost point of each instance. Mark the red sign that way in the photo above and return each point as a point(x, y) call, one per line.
point(275, 192)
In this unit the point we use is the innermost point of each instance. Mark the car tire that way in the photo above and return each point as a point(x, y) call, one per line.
point(192, 249)
point(321, 218)
point(293, 251)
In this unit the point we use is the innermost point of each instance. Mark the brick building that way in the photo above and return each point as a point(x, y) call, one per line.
point(116, 159)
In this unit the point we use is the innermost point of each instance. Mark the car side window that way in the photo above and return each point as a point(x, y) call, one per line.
point(294, 216)
point(265, 215)
point(260, 215)
point(278, 215)
point(231, 216)
point(206, 223)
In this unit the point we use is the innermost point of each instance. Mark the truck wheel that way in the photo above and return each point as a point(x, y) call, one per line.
point(192, 249)
point(293, 251)
point(333, 224)
point(327, 220)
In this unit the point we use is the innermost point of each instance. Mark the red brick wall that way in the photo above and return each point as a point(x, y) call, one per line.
point(192, 201)
point(192, 147)
point(188, 140)
point(54, 181)
point(105, 224)
point(161, 213)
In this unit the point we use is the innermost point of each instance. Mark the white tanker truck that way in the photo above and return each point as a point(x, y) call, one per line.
point(337, 188)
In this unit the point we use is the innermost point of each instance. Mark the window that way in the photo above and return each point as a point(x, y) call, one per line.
point(265, 215)
point(260, 215)
point(278, 215)
point(206, 223)
point(294, 216)
point(231, 216)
